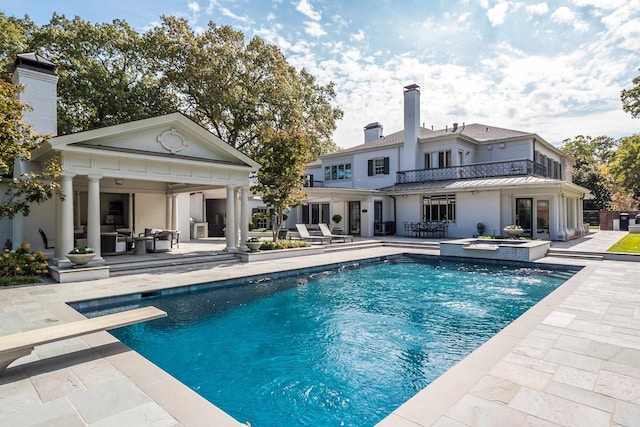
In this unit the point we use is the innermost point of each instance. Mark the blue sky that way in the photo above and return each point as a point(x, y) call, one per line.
point(552, 67)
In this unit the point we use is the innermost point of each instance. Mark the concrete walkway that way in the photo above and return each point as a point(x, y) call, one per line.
point(572, 360)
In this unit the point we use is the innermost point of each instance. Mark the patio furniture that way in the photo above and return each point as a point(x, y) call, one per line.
point(306, 236)
point(324, 229)
point(112, 243)
point(158, 240)
point(15, 346)
point(45, 240)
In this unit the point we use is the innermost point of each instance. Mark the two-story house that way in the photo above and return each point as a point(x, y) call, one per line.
point(464, 174)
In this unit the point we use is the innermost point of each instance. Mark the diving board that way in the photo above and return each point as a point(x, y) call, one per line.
point(15, 346)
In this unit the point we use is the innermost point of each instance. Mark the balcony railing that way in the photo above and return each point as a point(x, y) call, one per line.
point(478, 170)
point(313, 183)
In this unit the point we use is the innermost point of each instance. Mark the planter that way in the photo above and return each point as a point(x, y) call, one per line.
point(80, 259)
point(253, 246)
point(513, 232)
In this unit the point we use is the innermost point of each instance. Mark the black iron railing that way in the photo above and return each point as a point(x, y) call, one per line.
point(478, 170)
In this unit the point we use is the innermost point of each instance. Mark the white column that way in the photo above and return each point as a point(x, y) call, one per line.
point(76, 221)
point(368, 229)
point(562, 228)
point(130, 217)
point(230, 225)
point(244, 217)
point(64, 241)
point(174, 212)
point(169, 213)
point(93, 215)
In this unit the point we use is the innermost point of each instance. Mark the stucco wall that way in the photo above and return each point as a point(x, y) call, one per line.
point(150, 211)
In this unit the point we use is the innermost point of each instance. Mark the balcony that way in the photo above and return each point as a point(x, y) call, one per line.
point(313, 183)
point(478, 170)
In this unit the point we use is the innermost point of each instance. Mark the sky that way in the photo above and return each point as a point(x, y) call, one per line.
point(555, 67)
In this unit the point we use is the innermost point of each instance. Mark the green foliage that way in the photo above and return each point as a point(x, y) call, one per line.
point(15, 37)
point(22, 262)
point(625, 166)
point(631, 98)
point(237, 88)
point(104, 74)
point(284, 244)
point(284, 156)
point(591, 157)
point(252, 226)
point(81, 250)
point(16, 143)
point(336, 218)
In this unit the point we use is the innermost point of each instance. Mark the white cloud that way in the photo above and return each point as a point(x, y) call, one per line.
point(194, 7)
point(498, 13)
point(229, 14)
point(537, 9)
point(306, 9)
point(564, 15)
point(314, 29)
point(359, 36)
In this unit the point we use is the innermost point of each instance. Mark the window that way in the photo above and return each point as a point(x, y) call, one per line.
point(427, 160)
point(315, 213)
point(378, 166)
point(261, 217)
point(444, 159)
point(441, 207)
point(336, 172)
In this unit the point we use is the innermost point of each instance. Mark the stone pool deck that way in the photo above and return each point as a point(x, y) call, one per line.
point(572, 360)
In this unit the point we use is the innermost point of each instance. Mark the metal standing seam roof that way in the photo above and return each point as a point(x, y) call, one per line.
point(476, 131)
point(471, 184)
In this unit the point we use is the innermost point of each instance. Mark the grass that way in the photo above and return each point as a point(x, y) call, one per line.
point(629, 243)
point(19, 280)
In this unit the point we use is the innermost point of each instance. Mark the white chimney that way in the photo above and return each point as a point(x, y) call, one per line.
point(411, 127)
point(372, 132)
point(38, 76)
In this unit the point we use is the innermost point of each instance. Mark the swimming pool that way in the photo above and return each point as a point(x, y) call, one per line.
point(338, 347)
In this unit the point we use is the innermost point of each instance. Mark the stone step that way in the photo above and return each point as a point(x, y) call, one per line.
point(574, 254)
point(186, 263)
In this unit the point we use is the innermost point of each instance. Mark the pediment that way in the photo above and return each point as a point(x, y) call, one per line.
point(173, 135)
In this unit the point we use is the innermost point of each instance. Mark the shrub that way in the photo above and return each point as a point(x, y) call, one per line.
point(252, 226)
point(22, 262)
point(284, 244)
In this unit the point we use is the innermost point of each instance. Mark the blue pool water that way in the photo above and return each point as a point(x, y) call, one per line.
point(342, 347)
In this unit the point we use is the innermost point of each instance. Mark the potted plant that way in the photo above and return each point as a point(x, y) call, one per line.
point(337, 228)
point(480, 228)
point(81, 255)
point(254, 243)
point(513, 231)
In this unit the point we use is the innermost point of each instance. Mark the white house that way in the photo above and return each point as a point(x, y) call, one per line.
point(462, 175)
point(160, 173)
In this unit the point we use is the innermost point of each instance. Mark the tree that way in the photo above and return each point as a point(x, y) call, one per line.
point(284, 155)
point(631, 98)
point(589, 170)
point(15, 37)
point(16, 143)
point(236, 88)
point(625, 166)
point(104, 74)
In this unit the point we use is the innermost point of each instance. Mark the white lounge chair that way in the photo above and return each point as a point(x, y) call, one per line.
point(305, 235)
point(324, 229)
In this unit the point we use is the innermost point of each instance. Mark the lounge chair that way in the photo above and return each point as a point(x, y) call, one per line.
point(304, 235)
point(48, 244)
point(324, 229)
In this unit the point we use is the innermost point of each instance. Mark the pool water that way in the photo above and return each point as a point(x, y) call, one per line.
point(344, 347)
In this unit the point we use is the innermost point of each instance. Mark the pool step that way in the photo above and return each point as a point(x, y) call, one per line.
point(562, 253)
point(366, 244)
point(183, 263)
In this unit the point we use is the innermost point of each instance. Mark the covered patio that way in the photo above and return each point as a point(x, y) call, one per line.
point(121, 180)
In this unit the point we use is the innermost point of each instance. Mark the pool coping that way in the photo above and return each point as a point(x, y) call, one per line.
point(188, 408)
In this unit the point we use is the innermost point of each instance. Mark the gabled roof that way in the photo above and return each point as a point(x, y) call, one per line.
point(170, 136)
